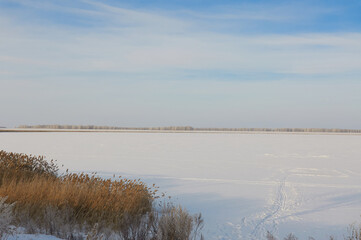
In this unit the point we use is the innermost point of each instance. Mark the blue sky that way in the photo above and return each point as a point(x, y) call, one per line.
point(198, 63)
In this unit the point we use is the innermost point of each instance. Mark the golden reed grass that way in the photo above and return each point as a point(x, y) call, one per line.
point(34, 184)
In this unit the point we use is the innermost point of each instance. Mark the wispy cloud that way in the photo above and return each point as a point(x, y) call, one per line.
point(177, 58)
point(147, 47)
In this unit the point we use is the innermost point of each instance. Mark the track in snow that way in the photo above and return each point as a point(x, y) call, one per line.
point(269, 219)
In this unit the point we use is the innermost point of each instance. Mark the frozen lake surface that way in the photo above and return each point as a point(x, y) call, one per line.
point(243, 184)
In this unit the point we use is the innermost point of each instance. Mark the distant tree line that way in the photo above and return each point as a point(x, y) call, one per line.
point(93, 127)
point(189, 128)
point(334, 130)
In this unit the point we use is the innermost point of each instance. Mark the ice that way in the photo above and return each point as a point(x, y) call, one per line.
point(243, 184)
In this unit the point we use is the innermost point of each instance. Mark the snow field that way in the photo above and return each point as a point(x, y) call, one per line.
point(243, 184)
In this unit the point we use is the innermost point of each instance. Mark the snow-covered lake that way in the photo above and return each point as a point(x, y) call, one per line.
point(243, 184)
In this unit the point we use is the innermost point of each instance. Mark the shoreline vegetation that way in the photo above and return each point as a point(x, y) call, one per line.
point(78, 206)
point(91, 128)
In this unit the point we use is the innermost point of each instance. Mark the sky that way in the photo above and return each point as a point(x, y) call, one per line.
point(145, 63)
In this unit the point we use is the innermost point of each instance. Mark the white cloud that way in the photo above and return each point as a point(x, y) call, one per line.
point(145, 42)
point(140, 67)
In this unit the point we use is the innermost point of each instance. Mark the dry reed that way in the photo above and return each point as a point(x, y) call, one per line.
point(75, 206)
point(35, 185)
